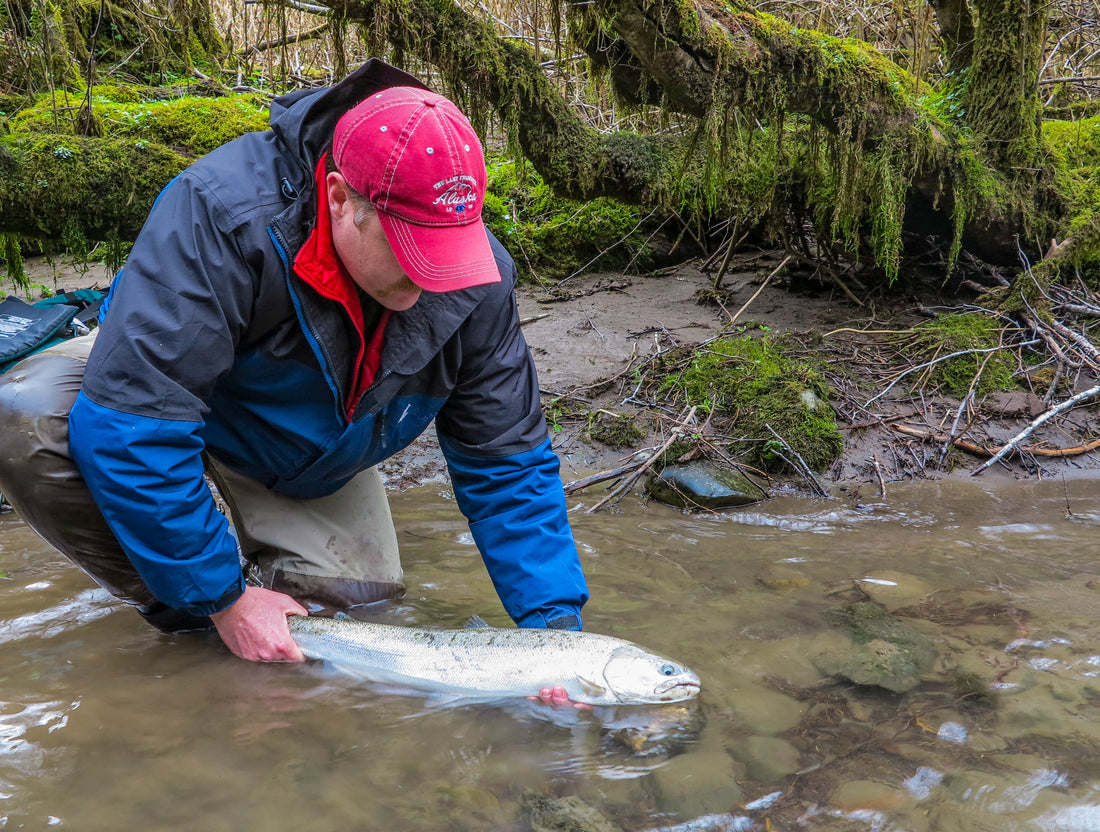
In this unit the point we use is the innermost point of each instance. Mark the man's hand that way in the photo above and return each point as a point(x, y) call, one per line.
point(255, 627)
point(558, 695)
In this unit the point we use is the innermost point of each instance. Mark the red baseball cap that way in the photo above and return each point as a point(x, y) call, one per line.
point(416, 157)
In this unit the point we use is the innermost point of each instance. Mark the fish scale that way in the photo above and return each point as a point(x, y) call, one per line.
point(493, 663)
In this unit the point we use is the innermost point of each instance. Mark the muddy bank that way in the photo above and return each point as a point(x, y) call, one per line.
point(592, 336)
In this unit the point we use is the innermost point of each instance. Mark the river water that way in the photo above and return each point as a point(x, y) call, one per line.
point(106, 724)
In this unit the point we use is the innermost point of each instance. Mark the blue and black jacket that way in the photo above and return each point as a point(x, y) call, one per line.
point(212, 341)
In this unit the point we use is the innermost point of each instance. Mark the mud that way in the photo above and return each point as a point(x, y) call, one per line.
point(591, 333)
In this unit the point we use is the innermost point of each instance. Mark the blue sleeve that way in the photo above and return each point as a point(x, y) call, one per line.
point(517, 513)
point(146, 476)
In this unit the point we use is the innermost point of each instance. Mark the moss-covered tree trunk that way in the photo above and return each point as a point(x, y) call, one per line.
point(706, 59)
point(54, 187)
point(854, 144)
point(1002, 102)
point(58, 44)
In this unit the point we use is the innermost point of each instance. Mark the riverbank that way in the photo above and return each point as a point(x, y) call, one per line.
point(593, 337)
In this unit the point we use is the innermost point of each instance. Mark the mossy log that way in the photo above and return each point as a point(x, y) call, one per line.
point(884, 144)
point(51, 185)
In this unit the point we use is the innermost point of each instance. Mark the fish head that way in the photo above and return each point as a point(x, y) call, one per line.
point(634, 675)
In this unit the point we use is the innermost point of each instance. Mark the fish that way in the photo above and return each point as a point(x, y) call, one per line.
point(496, 663)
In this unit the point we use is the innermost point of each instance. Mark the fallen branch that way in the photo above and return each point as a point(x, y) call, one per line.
point(1026, 432)
point(603, 476)
point(287, 40)
point(982, 450)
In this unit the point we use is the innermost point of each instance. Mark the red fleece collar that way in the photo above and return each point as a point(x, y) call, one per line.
point(318, 265)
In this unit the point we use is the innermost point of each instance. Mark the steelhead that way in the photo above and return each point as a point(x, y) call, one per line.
point(495, 663)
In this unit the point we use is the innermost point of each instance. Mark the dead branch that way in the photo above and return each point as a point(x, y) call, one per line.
point(288, 40)
point(981, 450)
point(1026, 432)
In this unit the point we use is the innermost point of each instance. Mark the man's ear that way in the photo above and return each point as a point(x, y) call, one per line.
point(337, 194)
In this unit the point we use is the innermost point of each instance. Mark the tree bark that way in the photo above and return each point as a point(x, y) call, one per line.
point(956, 25)
point(1002, 101)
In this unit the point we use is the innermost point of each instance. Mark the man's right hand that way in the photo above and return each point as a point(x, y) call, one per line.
point(255, 627)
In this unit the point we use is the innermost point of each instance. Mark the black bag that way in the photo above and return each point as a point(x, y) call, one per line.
point(26, 328)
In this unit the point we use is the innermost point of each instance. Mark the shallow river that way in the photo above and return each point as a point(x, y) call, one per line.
point(105, 724)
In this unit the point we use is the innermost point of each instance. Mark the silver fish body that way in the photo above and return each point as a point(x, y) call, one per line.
point(494, 663)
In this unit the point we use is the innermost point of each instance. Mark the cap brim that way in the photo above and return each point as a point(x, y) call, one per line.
point(442, 258)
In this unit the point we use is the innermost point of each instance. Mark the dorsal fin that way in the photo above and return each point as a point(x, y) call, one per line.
point(475, 622)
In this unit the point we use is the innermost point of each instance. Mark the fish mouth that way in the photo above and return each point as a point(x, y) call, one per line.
point(678, 691)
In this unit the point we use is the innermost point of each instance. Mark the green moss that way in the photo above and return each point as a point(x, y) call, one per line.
point(752, 384)
point(616, 431)
point(552, 237)
point(195, 125)
point(53, 186)
point(955, 333)
point(1075, 149)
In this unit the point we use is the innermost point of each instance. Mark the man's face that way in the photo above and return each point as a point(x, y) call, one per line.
point(365, 251)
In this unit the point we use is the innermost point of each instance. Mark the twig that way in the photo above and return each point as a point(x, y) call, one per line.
point(775, 271)
point(968, 399)
point(1026, 432)
point(801, 467)
point(633, 477)
point(878, 473)
point(935, 361)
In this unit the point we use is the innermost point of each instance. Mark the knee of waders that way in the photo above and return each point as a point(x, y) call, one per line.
point(36, 396)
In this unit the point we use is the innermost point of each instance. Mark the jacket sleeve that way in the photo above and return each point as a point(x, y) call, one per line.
point(517, 513)
point(174, 317)
point(146, 476)
point(506, 475)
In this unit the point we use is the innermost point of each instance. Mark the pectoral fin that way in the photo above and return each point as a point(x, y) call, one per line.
point(591, 688)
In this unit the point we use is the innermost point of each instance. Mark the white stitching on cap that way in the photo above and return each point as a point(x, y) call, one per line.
point(425, 267)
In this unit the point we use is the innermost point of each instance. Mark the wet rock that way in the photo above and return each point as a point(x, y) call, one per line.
point(695, 784)
point(869, 796)
point(781, 578)
point(703, 485)
point(884, 652)
point(769, 759)
point(564, 814)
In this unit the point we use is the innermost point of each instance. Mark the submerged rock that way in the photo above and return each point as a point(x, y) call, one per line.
point(564, 814)
point(884, 651)
point(703, 485)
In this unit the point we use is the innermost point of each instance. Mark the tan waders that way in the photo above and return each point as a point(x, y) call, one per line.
point(336, 551)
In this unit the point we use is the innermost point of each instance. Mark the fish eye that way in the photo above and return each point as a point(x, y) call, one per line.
point(667, 670)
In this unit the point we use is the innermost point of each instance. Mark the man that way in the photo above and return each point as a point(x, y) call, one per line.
point(299, 306)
